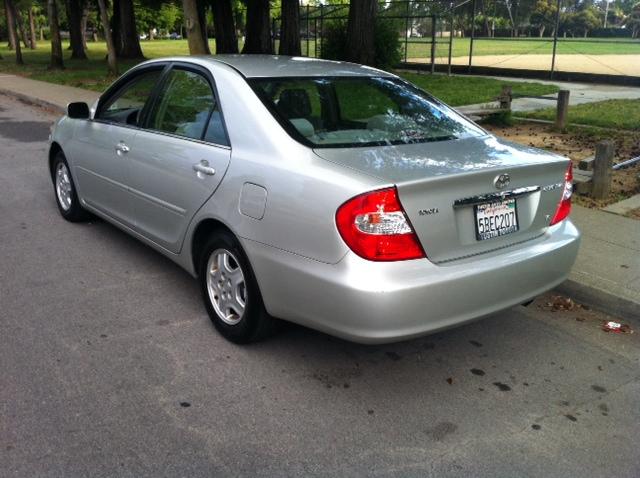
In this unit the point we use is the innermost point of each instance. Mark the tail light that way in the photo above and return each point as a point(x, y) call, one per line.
point(375, 227)
point(564, 208)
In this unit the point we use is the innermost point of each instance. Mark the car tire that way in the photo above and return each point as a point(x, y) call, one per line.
point(65, 191)
point(230, 291)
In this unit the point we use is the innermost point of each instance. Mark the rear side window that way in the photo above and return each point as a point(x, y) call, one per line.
point(126, 104)
point(186, 106)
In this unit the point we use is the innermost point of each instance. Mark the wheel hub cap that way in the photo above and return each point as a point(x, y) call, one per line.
point(63, 186)
point(226, 286)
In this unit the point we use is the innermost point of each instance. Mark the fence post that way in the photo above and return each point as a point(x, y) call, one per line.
point(450, 43)
point(602, 169)
point(473, 33)
point(562, 109)
point(321, 27)
point(505, 97)
point(406, 32)
point(308, 32)
point(555, 40)
point(433, 44)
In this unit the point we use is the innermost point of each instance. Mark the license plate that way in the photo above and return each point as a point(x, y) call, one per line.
point(495, 219)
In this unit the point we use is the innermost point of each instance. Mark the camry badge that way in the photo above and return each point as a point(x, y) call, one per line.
point(501, 181)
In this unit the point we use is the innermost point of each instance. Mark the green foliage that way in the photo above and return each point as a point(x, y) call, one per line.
point(387, 42)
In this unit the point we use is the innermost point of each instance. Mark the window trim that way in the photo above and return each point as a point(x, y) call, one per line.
point(206, 74)
point(121, 83)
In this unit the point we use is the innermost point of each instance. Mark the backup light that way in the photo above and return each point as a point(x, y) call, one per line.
point(375, 227)
point(564, 208)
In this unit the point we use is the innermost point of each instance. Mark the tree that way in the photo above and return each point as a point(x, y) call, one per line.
point(224, 26)
point(290, 29)
point(111, 48)
point(75, 10)
point(361, 31)
point(633, 21)
point(544, 15)
point(258, 38)
point(195, 36)
point(56, 44)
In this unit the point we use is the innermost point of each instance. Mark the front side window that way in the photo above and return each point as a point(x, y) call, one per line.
point(359, 111)
point(187, 107)
point(126, 105)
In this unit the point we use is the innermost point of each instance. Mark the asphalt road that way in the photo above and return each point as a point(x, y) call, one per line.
point(109, 366)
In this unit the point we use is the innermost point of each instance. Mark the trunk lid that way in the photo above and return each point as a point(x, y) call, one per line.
point(440, 185)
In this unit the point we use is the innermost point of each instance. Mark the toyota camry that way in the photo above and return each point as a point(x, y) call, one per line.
point(329, 194)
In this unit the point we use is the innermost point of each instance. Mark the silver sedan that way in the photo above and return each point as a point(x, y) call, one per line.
point(329, 194)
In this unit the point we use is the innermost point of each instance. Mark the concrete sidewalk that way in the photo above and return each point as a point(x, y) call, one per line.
point(48, 95)
point(607, 271)
point(580, 93)
point(606, 274)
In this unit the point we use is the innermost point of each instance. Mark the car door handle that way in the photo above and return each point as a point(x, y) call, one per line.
point(122, 148)
point(204, 168)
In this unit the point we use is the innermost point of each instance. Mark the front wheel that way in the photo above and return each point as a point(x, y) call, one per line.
point(230, 292)
point(65, 190)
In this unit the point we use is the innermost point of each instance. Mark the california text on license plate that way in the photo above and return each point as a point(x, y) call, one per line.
point(495, 219)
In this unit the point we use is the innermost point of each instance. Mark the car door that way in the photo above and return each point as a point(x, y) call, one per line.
point(101, 146)
point(179, 158)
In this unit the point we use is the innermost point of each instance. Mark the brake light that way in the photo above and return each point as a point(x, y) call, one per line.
point(375, 227)
point(564, 208)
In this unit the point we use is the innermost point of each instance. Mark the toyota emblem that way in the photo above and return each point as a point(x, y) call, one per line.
point(501, 181)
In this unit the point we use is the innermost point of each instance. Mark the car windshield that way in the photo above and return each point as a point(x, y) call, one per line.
point(359, 111)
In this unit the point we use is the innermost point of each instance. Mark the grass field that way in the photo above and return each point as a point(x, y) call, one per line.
point(92, 74)
point(618, 114)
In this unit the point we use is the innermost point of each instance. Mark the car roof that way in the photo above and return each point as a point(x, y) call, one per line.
point(264, 66)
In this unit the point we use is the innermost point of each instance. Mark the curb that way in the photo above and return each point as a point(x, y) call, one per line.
point(600, 300)
point(30, 100)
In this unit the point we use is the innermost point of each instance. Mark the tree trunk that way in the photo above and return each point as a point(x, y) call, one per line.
point(130, 41)
point(258, 37)
point(111, 48)
point(56, 44)
point(11, 26)
point(224, 25)
point(195, 36)
point(20, 26)
point(541, 30)
point(41, 33)
point(361, 31)
point(487, 30)
point(32, 30)
point(74, 17)
point(83, 26)
point(11, 8)
point(202, 18)
point(290, 28)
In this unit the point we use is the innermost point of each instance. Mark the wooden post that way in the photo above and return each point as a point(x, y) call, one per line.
point(562, 109)
point(505, 98)
point(602, 169)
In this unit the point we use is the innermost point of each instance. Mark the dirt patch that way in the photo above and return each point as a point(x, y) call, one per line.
point(634, 213)
point(628, 65)
point(578, 145)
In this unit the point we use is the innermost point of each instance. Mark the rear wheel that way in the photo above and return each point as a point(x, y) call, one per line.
point(230, 291)
point(65, 190)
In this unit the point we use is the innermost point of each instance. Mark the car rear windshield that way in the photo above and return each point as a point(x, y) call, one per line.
point(359, 111)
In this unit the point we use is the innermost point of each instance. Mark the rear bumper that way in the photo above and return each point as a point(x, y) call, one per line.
point(371, 302)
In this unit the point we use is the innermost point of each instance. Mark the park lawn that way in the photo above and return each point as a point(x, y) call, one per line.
point(421, 47)
point(617, 114)
point(468, 90)
point(92, 74)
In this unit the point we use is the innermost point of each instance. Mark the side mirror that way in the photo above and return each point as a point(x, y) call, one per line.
point(78, 110)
